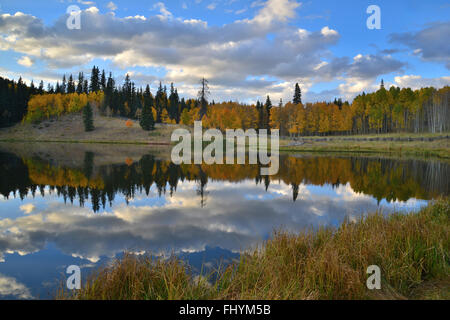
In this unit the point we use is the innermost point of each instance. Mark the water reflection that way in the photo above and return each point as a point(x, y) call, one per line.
point(381, 178)
point(53, 215)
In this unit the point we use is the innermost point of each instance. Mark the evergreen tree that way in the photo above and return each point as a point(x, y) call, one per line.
point(148, 98)
point(174, 104)
point(70, 85)
point(63, 87)
point(159, 102)
point(260, 109)
point(203, 94)
point(103, 81)
point(80, 83)
point(41, 87)
point(147, 122)
point(95, 81)
point(268, 107)
point(297, 95)
point(88, 118)
point(85, 86)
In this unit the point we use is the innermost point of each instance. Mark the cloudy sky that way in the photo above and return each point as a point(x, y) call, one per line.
point(246, 49)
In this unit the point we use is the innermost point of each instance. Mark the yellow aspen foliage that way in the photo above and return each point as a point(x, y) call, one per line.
point(45, 106)
point(165, 116)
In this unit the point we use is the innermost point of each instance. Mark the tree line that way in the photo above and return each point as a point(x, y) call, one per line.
point(14, 97)
point(383, 111)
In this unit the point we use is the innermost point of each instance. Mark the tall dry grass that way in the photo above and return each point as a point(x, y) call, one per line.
point(412, 251)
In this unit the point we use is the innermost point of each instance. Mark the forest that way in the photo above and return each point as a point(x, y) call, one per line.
point(384, 111)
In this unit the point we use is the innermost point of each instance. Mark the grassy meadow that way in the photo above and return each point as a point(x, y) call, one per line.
point(412, 251)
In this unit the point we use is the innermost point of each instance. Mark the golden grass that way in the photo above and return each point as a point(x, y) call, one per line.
point(437, 148)
point(412, 251)
point(69, 128)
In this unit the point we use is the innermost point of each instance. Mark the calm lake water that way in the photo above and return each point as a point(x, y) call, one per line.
point(79, 205)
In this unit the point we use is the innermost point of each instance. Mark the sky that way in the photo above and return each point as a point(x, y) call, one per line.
point(246, 49)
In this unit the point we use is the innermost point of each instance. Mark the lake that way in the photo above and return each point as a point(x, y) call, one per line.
point(73, 204)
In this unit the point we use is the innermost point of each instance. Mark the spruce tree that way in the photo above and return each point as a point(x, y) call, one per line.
point(95, 80)
point(147, 122)
point(88, 118)
point(268, 106)
point(80, 83)
point(297, 95)
point(103, 81)
point(70, 85)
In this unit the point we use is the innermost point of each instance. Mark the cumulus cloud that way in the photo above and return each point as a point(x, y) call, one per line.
point(27, 208)
point(10, 287)
point(416, 81)
point(25, 61)
point(234, 57)
point(430, 43)
point(371, 66)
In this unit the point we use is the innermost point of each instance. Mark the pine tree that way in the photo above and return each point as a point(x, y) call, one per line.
point(147, 121)
point(63, 87)
point(88, 118)
point(174, 104)
point(203, 94)
point(95, 81)
point(268, 106)
point(41, 87)
point(80, 83)
point(260, 109)
point(297, 95)
point(103, 81)
point(70, 85)
point(85, 86)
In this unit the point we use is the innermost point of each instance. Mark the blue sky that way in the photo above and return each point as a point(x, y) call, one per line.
point(246, 49)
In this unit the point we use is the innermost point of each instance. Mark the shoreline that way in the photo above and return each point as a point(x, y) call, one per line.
point(336, 146)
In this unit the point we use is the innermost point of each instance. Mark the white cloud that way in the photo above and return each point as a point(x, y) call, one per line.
point(276, 11)
point(25, 61)
point(237, 58)
point(27, 208)
point(163, 10)
point(416, 81)
point(428, 43)
point(326, 31)
point(111, 6)
point(11, 287)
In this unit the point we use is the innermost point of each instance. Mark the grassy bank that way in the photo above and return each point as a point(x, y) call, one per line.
point(412, 251)
point(383, 143)
point(69, 129)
